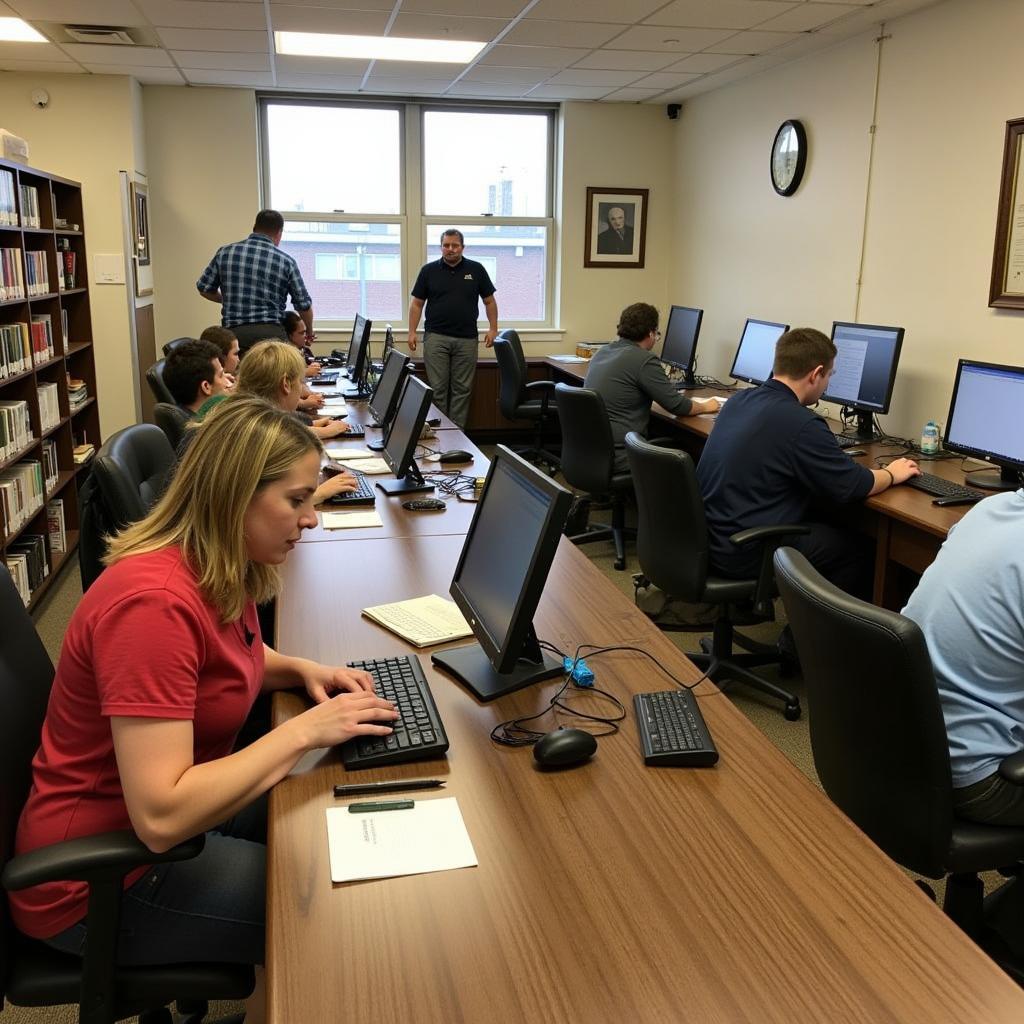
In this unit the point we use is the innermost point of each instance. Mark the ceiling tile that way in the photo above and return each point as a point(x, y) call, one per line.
point(31, 51)
point(198, 14)
point(319, 19)
point(121, 56)
point(248, 79)
point(753, 42)
point(702, 62)
point(718, 14)
point(582, 76)
point(804, 18)
point(405, 86)
point(76, 12)
point(41, 67)
point(631, 95)
point(492, 8)
point(561, 33)
point(626, 60)
point(671, 40)
point(531, 56)
point(430, 26)
point(506, 76)
point(568, 92)
point(616, 12)
point(313, 83)
point(337, 5)
point(224, 41)
point(665, 80)
point(320, 66)
point(417, 69)
point(486, 89)
point(226, 61)
point(146, 75)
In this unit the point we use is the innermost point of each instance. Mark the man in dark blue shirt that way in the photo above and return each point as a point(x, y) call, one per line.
point(451, 287)
point(770, 456)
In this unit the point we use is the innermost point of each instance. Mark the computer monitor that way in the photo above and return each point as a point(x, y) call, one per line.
point(501, 575)
point(402, 438)
point(755, 355)
point(385, 395)
point(680, 345)
point(864, 371)
point(357, 364)
point(389, 343)
point(984, 422)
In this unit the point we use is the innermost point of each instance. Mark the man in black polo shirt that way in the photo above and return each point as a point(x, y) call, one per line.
point(770, 456)
point(451, 287)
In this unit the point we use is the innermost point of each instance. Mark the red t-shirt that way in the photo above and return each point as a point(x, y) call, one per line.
point(142, 643)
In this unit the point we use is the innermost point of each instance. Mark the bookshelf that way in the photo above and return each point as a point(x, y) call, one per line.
point(45, 339)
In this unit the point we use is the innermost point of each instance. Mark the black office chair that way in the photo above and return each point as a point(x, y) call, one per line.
point(31, 973)
point(155, 380)
point(880, 746)
point(175, 343)
point(173, 421)
point(522, 399)
point(588, 463)
point(129, 473)
point(674, 553)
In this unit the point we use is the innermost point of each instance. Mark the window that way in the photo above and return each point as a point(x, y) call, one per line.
point(360, 219)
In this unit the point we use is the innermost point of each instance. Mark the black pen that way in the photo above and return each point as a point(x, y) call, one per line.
point(386, 787)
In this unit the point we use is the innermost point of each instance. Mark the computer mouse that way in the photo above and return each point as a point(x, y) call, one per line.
point(455, 455)
point(564, 747)
point(424, 505)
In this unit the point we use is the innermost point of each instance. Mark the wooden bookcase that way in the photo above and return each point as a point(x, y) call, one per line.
point(58, 198)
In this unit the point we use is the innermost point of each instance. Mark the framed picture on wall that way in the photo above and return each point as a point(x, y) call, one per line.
point(616, 227)
point(141, 255)
point(1006, 289)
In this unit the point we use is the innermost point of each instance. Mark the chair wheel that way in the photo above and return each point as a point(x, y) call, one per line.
point(791, 712)
point(620, 564)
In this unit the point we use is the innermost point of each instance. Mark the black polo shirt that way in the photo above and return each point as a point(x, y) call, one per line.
point(451, 295)
point(765, 460)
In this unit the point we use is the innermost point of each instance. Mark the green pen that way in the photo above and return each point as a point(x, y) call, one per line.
point(390, 805)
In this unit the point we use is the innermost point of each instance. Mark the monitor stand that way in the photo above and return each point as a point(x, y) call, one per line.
point(1003, 478)
point(471, 666)
point(865, 430)
point(411, 483)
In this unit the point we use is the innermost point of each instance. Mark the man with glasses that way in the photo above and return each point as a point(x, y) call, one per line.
point(629, 379)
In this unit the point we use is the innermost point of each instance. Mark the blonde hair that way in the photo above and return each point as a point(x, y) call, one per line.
point(266, 365)
point(243, 445)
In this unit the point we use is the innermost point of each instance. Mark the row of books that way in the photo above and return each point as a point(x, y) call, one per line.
point(22, 493)
point(50, 468)
point(49, 406)
point(15, 428)
point(37, 273)
point(8, 208)
point(12, 275)
point(28, 564)
point(30, 206)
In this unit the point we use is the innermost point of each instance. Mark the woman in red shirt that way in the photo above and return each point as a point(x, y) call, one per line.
point(160, 666)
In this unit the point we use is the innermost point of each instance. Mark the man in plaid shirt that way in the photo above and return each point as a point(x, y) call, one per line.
point(252, 280)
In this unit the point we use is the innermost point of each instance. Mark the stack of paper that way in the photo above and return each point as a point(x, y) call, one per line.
point(357, 519)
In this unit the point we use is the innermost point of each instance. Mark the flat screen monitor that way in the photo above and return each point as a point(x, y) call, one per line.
point(389, 343)
point(501, 576)
point(755, 355)
point(402, 438)
point(357, 363)
point(385, 394)
point(679, 348)
point(864, 371)
point(984, 422)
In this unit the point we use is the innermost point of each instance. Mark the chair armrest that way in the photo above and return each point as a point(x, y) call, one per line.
point(540, 385)
point(546, 389)
point(1012, 768)
point(111, 855)
point(770, 537)
point(760, 533)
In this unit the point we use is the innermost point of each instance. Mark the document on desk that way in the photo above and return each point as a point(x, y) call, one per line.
point(569, 359)
point(368, 467)
point(348, 454)
point(423, 621)
point(357, 519)
point(430, 836)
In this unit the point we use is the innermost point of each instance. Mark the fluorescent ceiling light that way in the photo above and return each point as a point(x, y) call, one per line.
point(323, 44)
point(14, 30)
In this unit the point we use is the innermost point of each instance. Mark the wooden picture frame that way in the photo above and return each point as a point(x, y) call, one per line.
point(1006, 289)
point(141, 250)
point(616, 227)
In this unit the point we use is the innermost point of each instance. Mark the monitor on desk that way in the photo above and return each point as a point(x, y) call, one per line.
point(389, 344)
point(501, 575)
point(984, 422)
point(755, 355)
point(402, 438)
point(864, 371)
point(679, 348)
point(384, 399)
point(357, 364)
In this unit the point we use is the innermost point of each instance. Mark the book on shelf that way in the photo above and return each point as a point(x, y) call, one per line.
point(17, 566)
point(42, 338)
point(22, 493)
point(49, 406)
point(30, 551)
point(78, 392)
point(69, 269)
point(15, 427)
point(30, 206)
point(51, 469)
point(15, 349)
point(12, 275)
point(64, 327)
point(8, 206)
point(82, 453)
point(37, 273)
point(55, 525)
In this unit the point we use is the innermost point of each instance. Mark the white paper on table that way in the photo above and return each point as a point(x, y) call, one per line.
point(369, 467)
point(431, 836)
point(355, 520)
point(348, 454)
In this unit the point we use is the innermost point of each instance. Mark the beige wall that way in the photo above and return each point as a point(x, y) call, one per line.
point(949, 82)
point(86, 133)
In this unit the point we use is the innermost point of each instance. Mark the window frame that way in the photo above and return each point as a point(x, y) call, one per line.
point(412, 221)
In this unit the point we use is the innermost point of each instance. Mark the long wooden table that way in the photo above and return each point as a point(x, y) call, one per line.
point(605, 893)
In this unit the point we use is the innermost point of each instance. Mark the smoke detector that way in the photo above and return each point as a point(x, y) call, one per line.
point(101, 34)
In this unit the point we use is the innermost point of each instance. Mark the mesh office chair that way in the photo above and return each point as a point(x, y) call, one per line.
point(31, 973)
point(588, 463)
point(175, 343)
point(881, 751)
point(173, 421)
point(155, 380)
point(674, 553)
point(522, 399)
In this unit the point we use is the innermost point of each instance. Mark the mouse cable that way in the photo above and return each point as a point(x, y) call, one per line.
point(596, 650)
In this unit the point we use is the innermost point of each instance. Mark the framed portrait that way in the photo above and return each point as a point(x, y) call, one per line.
point(1006, 289)
point(141, 254)
point(616, 227)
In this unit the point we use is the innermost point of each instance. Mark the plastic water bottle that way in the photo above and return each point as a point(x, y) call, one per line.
point(930, 438)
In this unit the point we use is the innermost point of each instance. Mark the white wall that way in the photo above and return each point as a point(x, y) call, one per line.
point(950, 79)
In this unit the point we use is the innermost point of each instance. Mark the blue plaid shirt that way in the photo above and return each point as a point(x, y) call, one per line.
point(255, 278)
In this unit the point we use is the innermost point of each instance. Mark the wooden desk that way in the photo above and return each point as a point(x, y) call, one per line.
point(606, 893)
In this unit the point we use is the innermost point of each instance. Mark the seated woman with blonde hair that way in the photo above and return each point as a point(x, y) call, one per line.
point(160, 665)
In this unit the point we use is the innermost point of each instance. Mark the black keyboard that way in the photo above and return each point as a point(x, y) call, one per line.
point(940, 487)
point(672, 730)
point(419, 734)
point(354, 429)
point(364, 494)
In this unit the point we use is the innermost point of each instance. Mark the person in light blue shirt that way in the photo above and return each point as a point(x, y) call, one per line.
point(970, 607)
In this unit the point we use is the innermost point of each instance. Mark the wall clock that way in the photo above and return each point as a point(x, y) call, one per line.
point(789, 156)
